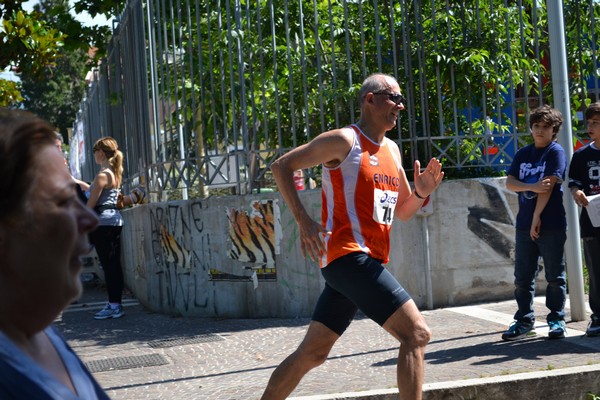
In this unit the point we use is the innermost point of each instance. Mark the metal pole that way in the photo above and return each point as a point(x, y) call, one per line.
point(428, 283)
point(155, 135)
point(423, 213)
point(560, 90)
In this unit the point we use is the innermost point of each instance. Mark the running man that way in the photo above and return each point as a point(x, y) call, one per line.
point(364, 186)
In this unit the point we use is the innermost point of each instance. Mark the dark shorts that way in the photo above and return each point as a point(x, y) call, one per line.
point(357, 282)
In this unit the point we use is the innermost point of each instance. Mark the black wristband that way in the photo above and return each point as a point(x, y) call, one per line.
point(418, 195)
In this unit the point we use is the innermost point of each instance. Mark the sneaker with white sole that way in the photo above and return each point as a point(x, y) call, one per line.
point(110, 312)
point(557, 329)
point(593, 328)
point(518, 330)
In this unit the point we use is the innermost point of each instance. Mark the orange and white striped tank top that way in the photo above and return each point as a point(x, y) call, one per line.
point(358, 199)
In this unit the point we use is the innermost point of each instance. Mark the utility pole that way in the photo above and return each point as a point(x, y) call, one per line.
point(560, 91)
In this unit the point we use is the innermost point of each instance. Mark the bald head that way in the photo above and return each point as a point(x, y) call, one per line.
point(376, 83)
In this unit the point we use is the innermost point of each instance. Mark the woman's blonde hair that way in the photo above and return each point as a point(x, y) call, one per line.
point(110, 148)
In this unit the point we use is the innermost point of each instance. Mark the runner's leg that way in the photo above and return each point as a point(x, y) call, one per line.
point(311, 353)
point(409, 327)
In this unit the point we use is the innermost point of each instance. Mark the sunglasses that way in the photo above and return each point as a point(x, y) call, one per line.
point(396, 98)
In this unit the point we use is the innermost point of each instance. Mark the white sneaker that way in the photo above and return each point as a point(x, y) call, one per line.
point(109, 312)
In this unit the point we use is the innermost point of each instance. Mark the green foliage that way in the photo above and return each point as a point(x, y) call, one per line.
point(31, 40)
point(56, 90)
point(292, 69)
point(10, 93)
point(47, 47)
point(108, 8)
point(28, 43)
point(477, 55)
point(273, 73)
point(56, 98)
point(300, 66)
point(78, 37)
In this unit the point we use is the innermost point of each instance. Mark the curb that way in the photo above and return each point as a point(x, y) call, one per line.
point(567, 383)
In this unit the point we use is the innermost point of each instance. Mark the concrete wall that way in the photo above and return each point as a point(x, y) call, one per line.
point(239, 256)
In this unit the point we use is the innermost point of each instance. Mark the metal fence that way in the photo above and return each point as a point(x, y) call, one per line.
point(203, 95)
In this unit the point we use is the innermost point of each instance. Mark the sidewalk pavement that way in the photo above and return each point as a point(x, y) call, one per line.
point(145, 355)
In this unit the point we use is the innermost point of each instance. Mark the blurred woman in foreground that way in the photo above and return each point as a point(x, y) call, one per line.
point(43, 235)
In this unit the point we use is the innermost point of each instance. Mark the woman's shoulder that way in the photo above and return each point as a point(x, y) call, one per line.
point(106, 178)
point(106, 172)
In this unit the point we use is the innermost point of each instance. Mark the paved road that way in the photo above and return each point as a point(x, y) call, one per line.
point(145, 355)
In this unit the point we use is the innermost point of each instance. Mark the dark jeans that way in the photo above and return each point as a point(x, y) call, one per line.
point(107, 241)
point(550, 246)
point(591, 251)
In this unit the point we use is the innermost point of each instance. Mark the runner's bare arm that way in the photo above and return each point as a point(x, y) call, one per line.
point(329, 148)
point(426, 182)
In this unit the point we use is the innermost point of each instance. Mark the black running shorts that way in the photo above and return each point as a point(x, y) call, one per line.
point(357, 281)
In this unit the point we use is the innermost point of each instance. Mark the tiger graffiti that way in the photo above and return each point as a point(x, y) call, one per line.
point(255, 237)
point(173, 227)
point(174, 251)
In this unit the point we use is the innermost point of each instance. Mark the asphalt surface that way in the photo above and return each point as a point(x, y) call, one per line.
point(145, 355)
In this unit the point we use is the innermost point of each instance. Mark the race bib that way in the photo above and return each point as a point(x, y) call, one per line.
point(383, 209)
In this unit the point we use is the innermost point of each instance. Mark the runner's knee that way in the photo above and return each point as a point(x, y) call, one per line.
point(313, 358)
point(422, 334)
point(418, 336)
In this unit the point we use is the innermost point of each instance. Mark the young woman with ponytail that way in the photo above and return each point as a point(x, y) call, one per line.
point(103, 196)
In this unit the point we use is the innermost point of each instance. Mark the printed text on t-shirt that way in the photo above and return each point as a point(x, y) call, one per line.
point(527, 169)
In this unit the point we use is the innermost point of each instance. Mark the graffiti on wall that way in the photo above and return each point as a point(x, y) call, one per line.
point(183, 249)
point(254, 238)
point(174, 228)
point(174, 251)
point(494, 222)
